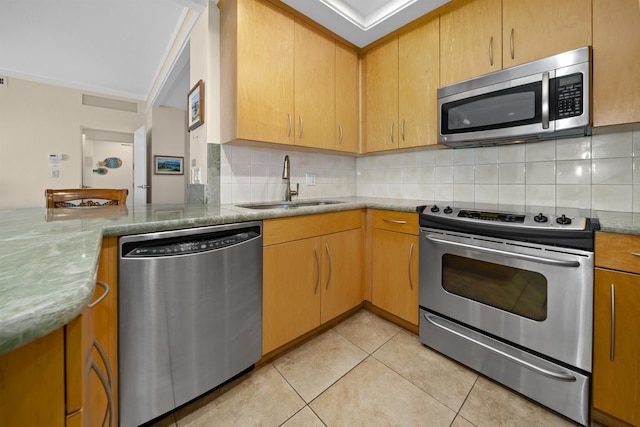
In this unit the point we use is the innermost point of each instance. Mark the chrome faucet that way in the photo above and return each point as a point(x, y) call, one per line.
point(286, 174)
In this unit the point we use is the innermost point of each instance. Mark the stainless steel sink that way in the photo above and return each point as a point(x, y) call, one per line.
point(288, 205)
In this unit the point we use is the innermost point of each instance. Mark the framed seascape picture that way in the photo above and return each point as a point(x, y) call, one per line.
point(168, 165)
point(195, 106)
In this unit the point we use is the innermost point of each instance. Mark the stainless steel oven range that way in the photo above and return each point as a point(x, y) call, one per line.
point(511, 296)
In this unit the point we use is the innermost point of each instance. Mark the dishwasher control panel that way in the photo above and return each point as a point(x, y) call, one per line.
point(164, 247)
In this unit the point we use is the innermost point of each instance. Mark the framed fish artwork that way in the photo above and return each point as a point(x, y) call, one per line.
point(195, 106)
point(168, 165)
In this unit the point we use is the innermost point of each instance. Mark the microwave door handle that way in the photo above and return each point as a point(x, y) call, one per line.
point(545, 100)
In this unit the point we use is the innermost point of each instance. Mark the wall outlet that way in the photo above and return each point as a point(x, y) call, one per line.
point(4, 81)
point(311, 179)
point(55, 173)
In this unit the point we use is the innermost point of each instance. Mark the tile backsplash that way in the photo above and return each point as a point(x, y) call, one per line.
point(597, 172)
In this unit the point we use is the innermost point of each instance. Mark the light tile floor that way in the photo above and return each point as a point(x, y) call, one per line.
point(365, 371)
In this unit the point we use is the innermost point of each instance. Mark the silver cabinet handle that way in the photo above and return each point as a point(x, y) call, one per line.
point(391, 132)
point(394, 221)
point(290, 124)
point(491, 51)
point(511, 45)
point(301, 125)
point(562, 376)
point(329, 258)
point(612, 344)
point(507, 254)
point(410, 256)
point(340, 140)
point(315, 291)
point(104, 294)
point(402, 129)
point(107, 382)
point(635, 253)
point(545, 100)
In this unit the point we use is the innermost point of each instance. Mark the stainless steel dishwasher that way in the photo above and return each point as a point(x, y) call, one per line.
point(189, 314)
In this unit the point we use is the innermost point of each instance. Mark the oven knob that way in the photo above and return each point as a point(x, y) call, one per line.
point(448, 210)
point(563, 220)
point(540, 218)
point(435, 209)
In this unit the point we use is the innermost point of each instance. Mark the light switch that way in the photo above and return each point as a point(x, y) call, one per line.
point(311, 179)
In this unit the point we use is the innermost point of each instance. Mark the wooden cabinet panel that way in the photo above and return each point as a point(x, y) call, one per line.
point(419, 77)
point(279, 230)
point(32, 383)
point(347, 136)
point(616, 381)
point(616, 251)
point(291, 291)
point(257, 72)
point(402, 222)
point(314, 90)
point(470, 40)
point(342, 273)
point(395, 274)
point(534, 29)
point(381, 97)
point(616, 62)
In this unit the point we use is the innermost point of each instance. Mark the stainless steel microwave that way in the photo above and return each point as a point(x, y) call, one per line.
point(543, 99)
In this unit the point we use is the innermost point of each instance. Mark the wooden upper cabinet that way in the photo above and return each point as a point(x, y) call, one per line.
point(257, 72)
point(470, 40)
point(315, 56)
point(418, 56)
point(381, 97)
point(616, 62)
point(534, 29)
point(481, 36)
point(346, 127)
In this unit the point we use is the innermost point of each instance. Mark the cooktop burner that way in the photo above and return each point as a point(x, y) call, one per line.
point(558, 230)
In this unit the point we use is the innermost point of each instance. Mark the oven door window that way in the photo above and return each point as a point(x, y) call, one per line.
point(521, 105)
point(518, 291)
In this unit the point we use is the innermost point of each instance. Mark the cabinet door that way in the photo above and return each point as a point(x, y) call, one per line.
point(264, 70)
point(616, 380)
point(395, 274)
point(346, 127)
point(291, 291)
point(534, 29)
point(616, 62)
point(315, 56)
point(419, 70)
point(342, 273)
point(470, 40)
point(381, 97)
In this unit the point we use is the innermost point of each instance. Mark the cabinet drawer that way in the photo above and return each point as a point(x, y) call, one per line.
point(287, 229)
point(618, 252)
point(402, 222)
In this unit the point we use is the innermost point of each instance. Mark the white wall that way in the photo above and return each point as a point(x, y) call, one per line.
point(168, 138)
point(122, 177)
point(37, 119)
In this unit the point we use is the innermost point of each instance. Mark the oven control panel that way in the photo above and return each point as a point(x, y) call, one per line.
point(508, 219)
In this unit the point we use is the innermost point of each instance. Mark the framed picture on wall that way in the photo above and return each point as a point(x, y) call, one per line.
point(168, 165)
point(195, 106)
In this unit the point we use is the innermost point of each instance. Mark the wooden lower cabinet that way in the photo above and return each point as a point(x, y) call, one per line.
point(32, 383)
point(91, 350)
point(308, 281)
point(616, 350)
point(395, 274)
point(393, 255)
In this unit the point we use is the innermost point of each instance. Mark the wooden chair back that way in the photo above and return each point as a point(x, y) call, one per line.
point(86, 197)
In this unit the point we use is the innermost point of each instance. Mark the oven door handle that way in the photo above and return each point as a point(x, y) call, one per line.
point(508, 254)
point(561, 376)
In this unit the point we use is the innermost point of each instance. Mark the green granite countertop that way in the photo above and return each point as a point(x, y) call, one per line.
point(49, 258)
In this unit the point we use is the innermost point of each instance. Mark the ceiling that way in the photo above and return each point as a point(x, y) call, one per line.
point(117, 47)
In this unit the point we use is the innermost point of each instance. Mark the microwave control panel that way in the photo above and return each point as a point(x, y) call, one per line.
point(569, 96)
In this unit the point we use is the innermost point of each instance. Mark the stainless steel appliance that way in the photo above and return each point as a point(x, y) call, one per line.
point(189, 314)
point(543, 99)
point(511, 296)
